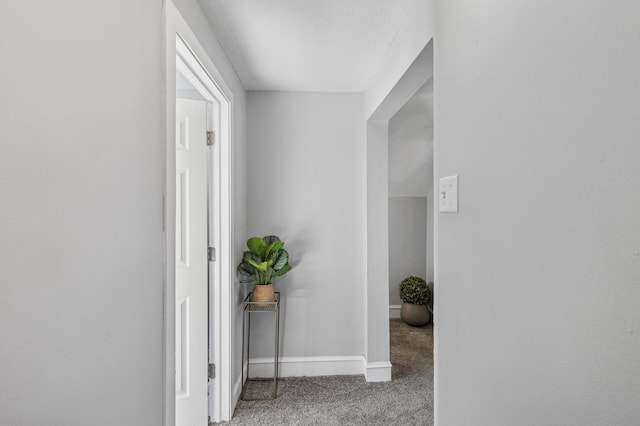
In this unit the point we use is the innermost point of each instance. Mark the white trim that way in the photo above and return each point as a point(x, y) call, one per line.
point(394, 311)
point(308, 366)
point(378, 372)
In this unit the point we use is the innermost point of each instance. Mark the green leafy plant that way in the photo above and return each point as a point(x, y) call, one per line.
point(415, 290)
point(265, 260)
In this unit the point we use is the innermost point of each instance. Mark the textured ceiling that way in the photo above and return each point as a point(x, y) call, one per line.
point(306, 45)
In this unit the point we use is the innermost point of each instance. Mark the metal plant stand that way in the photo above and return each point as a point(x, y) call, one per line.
point(249, 308)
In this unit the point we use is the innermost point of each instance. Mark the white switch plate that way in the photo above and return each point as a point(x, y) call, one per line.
point(448, 194)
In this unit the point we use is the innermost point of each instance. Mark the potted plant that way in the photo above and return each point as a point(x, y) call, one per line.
point(265, 260)
point(415, 294)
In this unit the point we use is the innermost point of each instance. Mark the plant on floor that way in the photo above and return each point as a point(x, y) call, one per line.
point(414, 290)
point(265, 260)
point(415, 294)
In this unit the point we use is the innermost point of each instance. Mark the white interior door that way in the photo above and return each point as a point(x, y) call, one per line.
point(192, 264)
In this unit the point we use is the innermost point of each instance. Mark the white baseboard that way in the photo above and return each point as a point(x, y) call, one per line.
point(378, 371)
point(394, 311)
point(237, 389)
point(308, 366)
point(322, 366)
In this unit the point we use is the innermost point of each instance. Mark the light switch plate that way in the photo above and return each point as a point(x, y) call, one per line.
point(448, 194)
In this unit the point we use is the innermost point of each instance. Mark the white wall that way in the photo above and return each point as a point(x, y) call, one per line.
point(305, 167)
point(81, 182)
point(537, 109)
point(407, 242)
point(81, 218)
point(411, 146)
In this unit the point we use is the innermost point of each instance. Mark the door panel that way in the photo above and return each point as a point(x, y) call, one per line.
point(191, 264)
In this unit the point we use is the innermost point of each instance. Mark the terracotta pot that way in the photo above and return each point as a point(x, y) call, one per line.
point(416, 315)
point(262, 293)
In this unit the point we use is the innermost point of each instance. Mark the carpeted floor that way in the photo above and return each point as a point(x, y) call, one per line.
point(349, 400)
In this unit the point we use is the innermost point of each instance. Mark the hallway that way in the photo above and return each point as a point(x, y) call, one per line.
point(349, 400)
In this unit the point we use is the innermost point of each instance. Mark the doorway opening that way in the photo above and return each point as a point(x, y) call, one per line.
point(200, 114)
point(411, 193)
point(198, 234)
point(411, 212)
point(377, 350)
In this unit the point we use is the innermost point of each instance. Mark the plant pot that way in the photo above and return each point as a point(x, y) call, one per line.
point(262, 293)
point(416, 315)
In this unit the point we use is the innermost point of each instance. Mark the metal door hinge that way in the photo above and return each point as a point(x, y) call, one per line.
point(211, 254)
point(211, 137)
point(212, 371)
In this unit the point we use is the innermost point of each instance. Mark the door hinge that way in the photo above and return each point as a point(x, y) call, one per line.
point(211, 254)
point(212, 371)
point(211, 137)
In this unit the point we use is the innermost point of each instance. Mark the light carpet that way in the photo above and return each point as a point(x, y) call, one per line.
point(349, 400)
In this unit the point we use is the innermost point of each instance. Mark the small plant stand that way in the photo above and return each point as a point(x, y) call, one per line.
point(249, 308)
